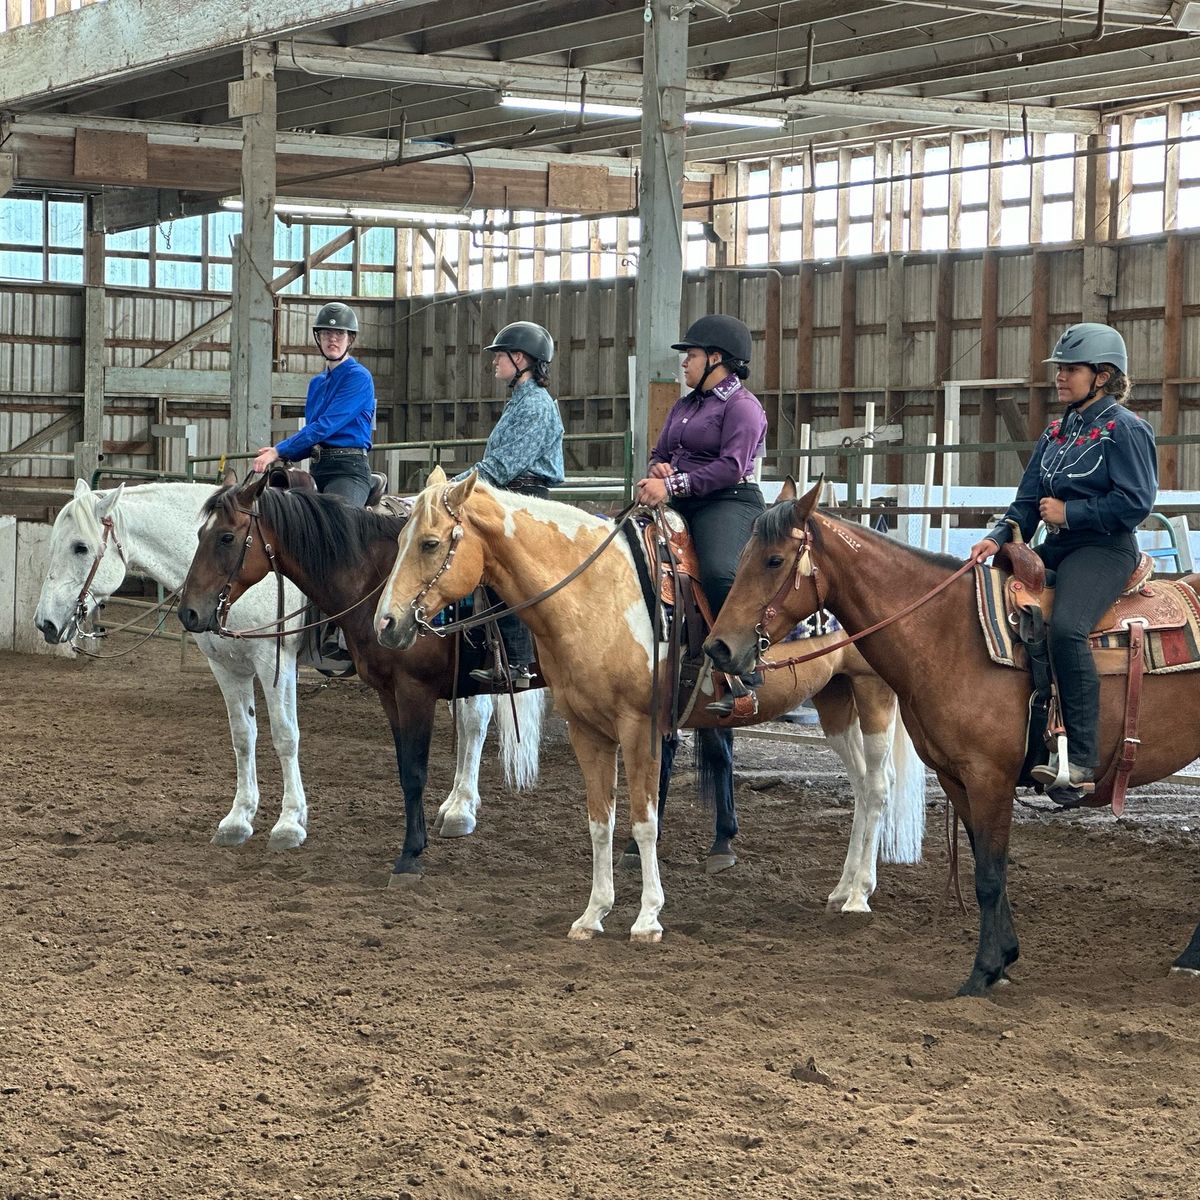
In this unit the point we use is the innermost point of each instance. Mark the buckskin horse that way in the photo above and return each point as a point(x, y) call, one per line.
point(595, 640)
point(338, 556)
point(967, 715)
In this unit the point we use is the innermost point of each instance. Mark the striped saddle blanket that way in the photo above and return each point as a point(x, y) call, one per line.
point(1170, 609)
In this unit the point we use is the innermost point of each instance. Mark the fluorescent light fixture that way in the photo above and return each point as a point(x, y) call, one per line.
point(1185, 15)
point(350, 212)
point(595, 108)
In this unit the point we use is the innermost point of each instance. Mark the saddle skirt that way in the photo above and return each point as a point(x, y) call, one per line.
point(683, 553)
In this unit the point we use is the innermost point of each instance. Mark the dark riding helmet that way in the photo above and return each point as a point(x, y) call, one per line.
point(527, 337)
point(718, 332)
point(336, 315)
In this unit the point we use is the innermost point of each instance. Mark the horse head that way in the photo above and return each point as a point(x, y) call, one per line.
point(230, 557)
point(436, 562)
point(775, 586)
point(85, 542)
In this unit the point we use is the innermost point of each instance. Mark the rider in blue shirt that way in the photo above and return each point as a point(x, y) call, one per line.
point(1092, 479)
point(339, 413)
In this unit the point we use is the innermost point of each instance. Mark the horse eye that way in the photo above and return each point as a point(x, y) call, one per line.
point(776, 560)
point(227, 539)
point(80, 548)
point(430, 543)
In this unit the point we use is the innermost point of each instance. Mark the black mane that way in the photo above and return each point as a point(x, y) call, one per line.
point(323, 534)
point(776, 525)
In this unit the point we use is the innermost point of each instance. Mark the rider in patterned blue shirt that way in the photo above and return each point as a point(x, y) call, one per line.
point(1092, 479)
point(523, 454)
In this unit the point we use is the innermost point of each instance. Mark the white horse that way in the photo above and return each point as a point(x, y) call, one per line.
point(154, 534)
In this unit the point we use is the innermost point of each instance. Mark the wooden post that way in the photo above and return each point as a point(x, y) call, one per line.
point(1039, 339)
point(943, 338)
point(804, 349)
point(954, 196)
point(846, 360)
point(990, 301)
point(1171, 173)
point(1172, 358)
point(843, 204)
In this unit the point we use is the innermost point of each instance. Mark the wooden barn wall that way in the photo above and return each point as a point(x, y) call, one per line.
point(829, 337)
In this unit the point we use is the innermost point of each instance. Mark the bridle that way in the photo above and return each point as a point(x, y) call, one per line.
point(804, 553)
point(456, 536)
point(108, 533)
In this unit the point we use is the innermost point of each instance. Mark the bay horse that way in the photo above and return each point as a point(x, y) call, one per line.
point(595, 641)
point(338, 556)
point(153, 533)
point(967, 715)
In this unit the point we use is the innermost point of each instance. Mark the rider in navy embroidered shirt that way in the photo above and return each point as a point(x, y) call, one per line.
point(1102, 463)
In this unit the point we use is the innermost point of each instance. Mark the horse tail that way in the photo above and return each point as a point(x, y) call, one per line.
point(521, 758)
point(904, 814)
point(714, 768)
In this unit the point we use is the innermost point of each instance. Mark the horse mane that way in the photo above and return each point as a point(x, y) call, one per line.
point(323, 534)
point(85, 516)
point(777, 523)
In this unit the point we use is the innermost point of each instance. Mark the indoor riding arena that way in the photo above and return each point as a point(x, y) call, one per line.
point(318, 901)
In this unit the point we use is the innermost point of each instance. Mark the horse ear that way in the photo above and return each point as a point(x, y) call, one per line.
point(229, 479)
point(788, 491)
point(808, 502)
point(461, 491)
point(81, 488)
point(107, 501)
point(437, 475)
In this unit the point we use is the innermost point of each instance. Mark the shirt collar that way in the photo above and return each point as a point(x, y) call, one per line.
point(724, 389)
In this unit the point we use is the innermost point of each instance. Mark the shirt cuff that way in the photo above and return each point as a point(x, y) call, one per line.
point(679, 484)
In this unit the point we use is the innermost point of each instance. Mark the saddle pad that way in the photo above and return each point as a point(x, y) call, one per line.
point(1172, 606)
point(683, 551)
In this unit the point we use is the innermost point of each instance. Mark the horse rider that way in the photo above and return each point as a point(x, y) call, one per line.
point(523, 454)
point(339, 413)
point(1092, 479)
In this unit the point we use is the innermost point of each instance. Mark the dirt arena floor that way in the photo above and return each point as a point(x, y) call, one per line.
point(182, 1020)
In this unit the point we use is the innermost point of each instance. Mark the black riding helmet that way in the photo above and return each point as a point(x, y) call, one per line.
point(531, 339)
point(336, 315)
point(722, 335)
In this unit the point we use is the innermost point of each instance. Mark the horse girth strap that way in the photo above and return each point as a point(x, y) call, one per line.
point(1118, 774)
point(804, 537)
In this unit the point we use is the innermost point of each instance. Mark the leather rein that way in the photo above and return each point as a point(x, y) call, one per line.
point(496, 612)
point(804, 553)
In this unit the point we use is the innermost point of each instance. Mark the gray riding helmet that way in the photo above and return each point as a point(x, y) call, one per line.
point(1091, 343)
point(336, 315)
point(527, 337)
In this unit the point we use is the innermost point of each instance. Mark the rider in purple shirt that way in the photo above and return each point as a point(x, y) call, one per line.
point(703, 462)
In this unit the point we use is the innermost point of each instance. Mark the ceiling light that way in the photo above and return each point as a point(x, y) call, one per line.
point(594, 108)
point(1185, 15)
point(352, 212)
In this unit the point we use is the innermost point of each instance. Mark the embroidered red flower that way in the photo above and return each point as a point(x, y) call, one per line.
point(1054, 428)
point(1094, 434)
point(1111, 425)
point(1079, 441)
point(1060, 440)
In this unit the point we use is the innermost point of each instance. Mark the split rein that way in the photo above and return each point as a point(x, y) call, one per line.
point(792, 583)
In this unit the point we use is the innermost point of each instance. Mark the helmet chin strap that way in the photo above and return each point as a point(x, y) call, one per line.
point(341, 357)
point(517, 371)
point(1093, 391)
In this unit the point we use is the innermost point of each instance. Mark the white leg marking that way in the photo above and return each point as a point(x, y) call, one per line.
point(849, 748)
point(238, 824)
point(601, 900)
point(456, 816)
point(292, 827)
point(647, 928)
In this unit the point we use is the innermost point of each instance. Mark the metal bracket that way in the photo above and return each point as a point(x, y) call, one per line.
point(8, 172)
point(723, 8)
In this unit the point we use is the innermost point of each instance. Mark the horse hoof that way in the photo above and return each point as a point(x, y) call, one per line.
point(456, 827)
point(855, 904)
point(405, 878)
point(714, 864)
point(581, 934)
point(1189, 972)
point(629, 861)
point(231, 837)
point(286, 839)
point(646, 936)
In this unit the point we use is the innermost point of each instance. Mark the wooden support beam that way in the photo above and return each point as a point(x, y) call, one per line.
point(1039, 342)
point(1172, 357)
point(843, 203)
point(846, 357)
point(995, 179)
point(63, 424)
point(943, 350)
point(954, 203)
point(1171, 173)
point(988, 347)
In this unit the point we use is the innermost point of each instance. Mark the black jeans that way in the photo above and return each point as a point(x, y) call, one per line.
point(347, 475)
point(1091, 571)
point(720, 524)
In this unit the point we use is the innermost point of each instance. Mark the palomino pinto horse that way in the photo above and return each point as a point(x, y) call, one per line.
point(595, 640)
point(967, 714)
point(338, 556)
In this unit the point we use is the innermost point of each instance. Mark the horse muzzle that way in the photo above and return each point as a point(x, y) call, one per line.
point(396, 633)
point(728, 658)
point(193, 622)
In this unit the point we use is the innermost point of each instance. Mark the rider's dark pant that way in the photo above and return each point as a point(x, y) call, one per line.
point(1091, 571)
point(347, 475)
point(518, 641)
point(720, 526)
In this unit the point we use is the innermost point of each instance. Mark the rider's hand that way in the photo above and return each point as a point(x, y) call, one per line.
point(1053, 512)
point(982, 551)
point(266, 456)
point(651, 491)
point(660, 470)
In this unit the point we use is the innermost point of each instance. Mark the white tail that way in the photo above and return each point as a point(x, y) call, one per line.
point(521, 758)
point(904, 817)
